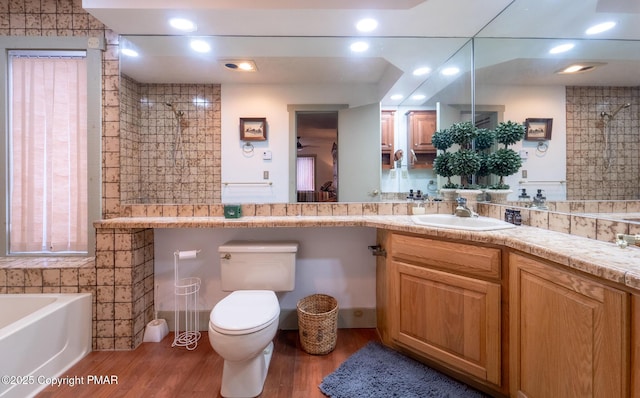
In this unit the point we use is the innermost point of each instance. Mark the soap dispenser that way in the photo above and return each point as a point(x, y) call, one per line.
point(524, 196)
point(539, 200)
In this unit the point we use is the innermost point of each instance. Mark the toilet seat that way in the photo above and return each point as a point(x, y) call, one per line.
point(244, 312)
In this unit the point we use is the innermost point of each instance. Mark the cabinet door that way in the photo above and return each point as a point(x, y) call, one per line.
point(422, 125)
point(387, 134)
point(387, 127)
point(568, 334)
point(450, 318)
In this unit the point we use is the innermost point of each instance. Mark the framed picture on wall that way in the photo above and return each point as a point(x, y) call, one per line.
point(538, 129)
point(253, 128)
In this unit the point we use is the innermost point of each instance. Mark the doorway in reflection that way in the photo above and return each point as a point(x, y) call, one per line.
point(317, 156)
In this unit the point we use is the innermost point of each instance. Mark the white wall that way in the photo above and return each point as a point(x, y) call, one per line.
point(334, 261)
point(522, 102)
point(271, 101)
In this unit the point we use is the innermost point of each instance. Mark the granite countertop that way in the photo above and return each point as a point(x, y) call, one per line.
point(601, 259)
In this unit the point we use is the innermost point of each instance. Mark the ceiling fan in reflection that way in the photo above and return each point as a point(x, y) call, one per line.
point(301, 147)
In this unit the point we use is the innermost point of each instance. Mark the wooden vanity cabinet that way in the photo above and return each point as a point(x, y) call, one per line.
point(444, 303)
point(387, 123)
point(421, 126)
point(569, 335)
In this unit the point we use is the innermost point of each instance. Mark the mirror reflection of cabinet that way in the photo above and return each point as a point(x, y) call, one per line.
point(387, 130)
point(422, 125)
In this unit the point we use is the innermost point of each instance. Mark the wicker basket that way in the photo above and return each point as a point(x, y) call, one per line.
point(318, 323)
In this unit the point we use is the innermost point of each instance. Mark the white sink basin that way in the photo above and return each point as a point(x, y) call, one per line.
point(467, 223)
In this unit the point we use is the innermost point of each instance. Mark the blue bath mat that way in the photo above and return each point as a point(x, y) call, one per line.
point(379, 372)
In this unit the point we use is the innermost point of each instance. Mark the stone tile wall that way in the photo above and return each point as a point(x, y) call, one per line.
point(602, 154)
point(124, 287)
point(170, 154)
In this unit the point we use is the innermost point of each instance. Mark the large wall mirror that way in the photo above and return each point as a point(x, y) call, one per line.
point(180, 140)
point(592, 151)
point(180, 111)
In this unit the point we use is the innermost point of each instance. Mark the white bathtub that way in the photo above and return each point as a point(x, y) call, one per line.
point(41, 336)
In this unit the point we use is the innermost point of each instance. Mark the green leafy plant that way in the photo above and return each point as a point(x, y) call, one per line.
point(463, 134)
point(483, 171)
point(508, 133)
point(503, 162)
point(466, 162)
point(442, 140)
point(442, 166)
point(484, 139)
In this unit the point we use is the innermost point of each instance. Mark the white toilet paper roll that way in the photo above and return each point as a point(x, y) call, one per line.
point(187, 254)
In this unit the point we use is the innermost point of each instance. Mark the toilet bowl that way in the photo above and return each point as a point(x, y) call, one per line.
point(243, 324)
point(241, 329)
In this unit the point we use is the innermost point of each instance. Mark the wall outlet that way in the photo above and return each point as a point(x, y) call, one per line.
point(265, 175)
point(524, 173)
point(405, 174)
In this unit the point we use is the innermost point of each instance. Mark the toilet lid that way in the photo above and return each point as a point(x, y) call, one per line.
point(245, 311)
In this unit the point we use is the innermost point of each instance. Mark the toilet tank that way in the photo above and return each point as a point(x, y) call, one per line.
point(258, 265)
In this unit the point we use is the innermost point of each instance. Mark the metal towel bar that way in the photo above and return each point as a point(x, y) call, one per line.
point(260, 183)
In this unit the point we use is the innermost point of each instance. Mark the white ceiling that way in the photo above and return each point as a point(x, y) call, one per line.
point(306, 42)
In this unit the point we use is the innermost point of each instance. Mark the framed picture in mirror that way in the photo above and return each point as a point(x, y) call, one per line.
point(538, 129)
point(253, 128)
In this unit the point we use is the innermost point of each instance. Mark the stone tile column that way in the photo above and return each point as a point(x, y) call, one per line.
point(124, 287)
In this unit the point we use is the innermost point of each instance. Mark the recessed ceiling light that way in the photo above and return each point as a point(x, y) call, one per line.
point(367, 25)
point(359, 46)
point(129, 52)
point(418, 97)
point(200, 46)
point(561, 48)
point(183, 24)
point(396, 97)
point(572, 69)
point(244, 65)
point(577, 68)
point(450, 71)
point(599, 28)
point(421, 71)
point(127, 48)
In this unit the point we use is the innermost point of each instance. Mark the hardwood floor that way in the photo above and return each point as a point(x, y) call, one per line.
point(157, 370)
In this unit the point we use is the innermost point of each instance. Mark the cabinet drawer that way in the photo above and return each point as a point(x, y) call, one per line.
point(457, 257)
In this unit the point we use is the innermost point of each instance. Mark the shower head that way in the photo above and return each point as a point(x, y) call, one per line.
point(611, 115)
point(178, 114)
point(621, 107)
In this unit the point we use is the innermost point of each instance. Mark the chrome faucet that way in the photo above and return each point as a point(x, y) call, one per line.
point(462, 210)
point(624, 240)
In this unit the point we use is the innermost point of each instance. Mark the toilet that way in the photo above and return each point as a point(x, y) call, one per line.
point(243, 324)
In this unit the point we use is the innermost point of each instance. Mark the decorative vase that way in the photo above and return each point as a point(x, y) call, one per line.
point(471, 195)
point(498, 195)
point(448, 193)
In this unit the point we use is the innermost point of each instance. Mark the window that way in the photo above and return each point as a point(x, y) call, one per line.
point(306, 173)
point(47, 152)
